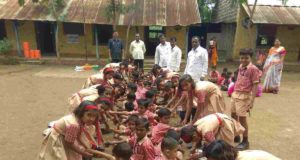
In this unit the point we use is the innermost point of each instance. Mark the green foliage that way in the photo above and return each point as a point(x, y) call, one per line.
point(5, 46)
point(237, 2)
point(115, 7)
point(21, 2)
point(10, 60)
point(206, 10)
point(55, 8)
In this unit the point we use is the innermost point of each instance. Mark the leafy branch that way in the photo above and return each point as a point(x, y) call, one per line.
point(114, 8)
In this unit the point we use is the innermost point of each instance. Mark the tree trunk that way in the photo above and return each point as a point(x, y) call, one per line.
point(127, 41)
point(127, 36)
point(15, 26)
point(85, 43)
point(114, 15)
point(250, 22)
point(56, 42)
point(97, 41)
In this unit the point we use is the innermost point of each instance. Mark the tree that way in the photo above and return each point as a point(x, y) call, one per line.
point(114, 9)
point(206, 10)
point(55, 8)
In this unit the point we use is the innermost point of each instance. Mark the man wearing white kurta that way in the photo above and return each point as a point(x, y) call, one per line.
point(175, 56)
point(197, 61)
point(162, 52)
point(137, 50)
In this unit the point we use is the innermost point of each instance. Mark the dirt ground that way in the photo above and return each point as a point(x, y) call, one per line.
point(31, 96)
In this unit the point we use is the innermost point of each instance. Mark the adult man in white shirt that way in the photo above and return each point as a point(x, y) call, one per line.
point(197, 61)
point(175, 56)
point(137, 50)
point(162, 52)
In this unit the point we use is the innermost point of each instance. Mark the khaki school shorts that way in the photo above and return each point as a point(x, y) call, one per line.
point(240, 103)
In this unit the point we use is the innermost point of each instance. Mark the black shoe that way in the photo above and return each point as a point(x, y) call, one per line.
point(243, 146)
point(237, 139)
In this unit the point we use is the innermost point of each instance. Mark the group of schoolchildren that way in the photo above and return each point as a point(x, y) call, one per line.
point(138, 107)
point(226, 80)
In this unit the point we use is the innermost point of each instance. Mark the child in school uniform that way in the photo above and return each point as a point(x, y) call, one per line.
point(128, 131)
point(122, 151)
point(91, 94)
point(225, 83)
point(104, 106)
point(119, 95)
point(214, 75)
point(141, 90)
point(147, 84)
point(223, 75)
point(68, 133)
point(232, 83)
point(100, 78)
point(143, 148)
point(167, 93)
point(220, 150)
point(244, 94)
point(159, 131)
point(207, 95)
point(150, 95)
point(141, 112)
point(211, 127)
point(169, 149)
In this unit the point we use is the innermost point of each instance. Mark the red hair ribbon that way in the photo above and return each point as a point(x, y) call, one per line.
point(107, 70)
point(90, 107)
point(105, 99)
point(186, 138)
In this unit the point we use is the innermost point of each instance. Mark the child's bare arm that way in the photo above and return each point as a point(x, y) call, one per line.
point(120, 113)
point(182, 98)
point(79, 150)
point(100, 154)
point(188, 110)
point(115, 142)
point(118, 131)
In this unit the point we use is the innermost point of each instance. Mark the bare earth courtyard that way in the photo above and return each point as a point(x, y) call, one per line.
point(31, 96)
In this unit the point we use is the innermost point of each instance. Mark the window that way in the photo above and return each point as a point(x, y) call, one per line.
point(73, 28)
point(154, 32)
point(266, 35)
point(104, 33)
point(2, 30)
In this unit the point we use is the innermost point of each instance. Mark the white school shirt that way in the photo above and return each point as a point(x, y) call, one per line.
point(162, 54)
point(175, 59)
point(197, 63)
point(137, 49)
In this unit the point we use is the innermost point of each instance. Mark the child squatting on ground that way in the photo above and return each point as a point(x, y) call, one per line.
point(136, 113)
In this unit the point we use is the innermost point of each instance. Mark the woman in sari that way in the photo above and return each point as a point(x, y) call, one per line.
point(213, 52)
point(273, 68)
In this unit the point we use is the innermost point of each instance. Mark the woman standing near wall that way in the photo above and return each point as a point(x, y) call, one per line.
point(273, 68)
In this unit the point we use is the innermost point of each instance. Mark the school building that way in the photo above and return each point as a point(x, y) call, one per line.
point(269, 22)
point(34, 24)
